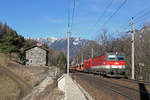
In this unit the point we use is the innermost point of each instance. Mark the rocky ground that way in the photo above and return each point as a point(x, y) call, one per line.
point(51, 93)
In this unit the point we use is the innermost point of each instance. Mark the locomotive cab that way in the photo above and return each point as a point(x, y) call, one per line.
point(115, 63)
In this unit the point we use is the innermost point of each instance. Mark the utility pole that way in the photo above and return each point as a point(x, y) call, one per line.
point(132, 23)
point(82, 57)
point(92, 53)
point(77, 60)
point(68, 32)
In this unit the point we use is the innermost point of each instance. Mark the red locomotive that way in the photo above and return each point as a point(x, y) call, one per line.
point(109, 64)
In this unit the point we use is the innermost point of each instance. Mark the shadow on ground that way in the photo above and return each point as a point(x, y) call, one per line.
point(144, 95)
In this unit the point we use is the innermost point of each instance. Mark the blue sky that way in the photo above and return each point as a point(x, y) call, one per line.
point(48, 18)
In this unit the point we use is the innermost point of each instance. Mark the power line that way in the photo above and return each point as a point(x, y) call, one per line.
point(143, 18)
point(71, 16)
point(139, 26)
point(105, 10)
point(68, 18)
point(138, 13)
point(114, 13)
point(142, 15)
point(125, 26)
point(68, 14)
point(73, 12)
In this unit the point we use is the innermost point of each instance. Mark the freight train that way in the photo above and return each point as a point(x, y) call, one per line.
point(109, 64)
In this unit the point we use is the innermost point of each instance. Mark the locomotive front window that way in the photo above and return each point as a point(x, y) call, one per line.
point(111, 57)
point(120, 57)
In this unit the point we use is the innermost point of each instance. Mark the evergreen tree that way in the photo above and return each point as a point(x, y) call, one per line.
point(61, 61)
point(1, 25)
point(11, 42)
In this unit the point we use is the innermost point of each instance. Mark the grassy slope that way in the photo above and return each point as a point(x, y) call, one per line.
point(8, 88)
point(3, 58)
point(12, 87)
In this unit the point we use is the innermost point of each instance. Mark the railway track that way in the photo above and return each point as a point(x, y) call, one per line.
point(125, 91)
point(146, 84)
point(133, 84)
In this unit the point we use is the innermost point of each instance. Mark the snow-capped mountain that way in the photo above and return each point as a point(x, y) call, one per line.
point(76, 44)
point(47, 41)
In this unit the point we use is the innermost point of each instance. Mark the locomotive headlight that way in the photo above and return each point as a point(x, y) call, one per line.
point(104, 63)
point(123, 67)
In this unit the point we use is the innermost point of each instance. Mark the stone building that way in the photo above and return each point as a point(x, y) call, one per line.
point(36, 56)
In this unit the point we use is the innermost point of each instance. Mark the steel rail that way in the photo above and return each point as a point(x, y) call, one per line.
point(118, 92)
point(136, 81)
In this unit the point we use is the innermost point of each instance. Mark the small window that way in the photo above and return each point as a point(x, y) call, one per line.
point(121, 58)
point(30, 61)
point(112, 57)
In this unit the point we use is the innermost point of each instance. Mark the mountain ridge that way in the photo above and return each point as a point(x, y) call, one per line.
point(60, 44)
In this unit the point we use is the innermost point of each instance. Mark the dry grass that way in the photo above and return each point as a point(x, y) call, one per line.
point(8, 88)
point(3, 59)
point(32, 75)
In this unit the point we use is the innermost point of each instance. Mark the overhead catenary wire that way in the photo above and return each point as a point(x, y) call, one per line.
point(68, 19)
point(142, 15)
point(109, 18)
point(139, 16)
point(142, 11)
point(73, 13)
point(105, 10)
point(125, 26)
point(114, 13)
point(68, 15)
point(142, 19)
point(139, 26)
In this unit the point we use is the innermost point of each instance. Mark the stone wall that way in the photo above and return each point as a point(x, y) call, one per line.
point(36, 57)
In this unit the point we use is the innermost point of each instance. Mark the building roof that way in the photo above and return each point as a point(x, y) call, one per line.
point(36, 46)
